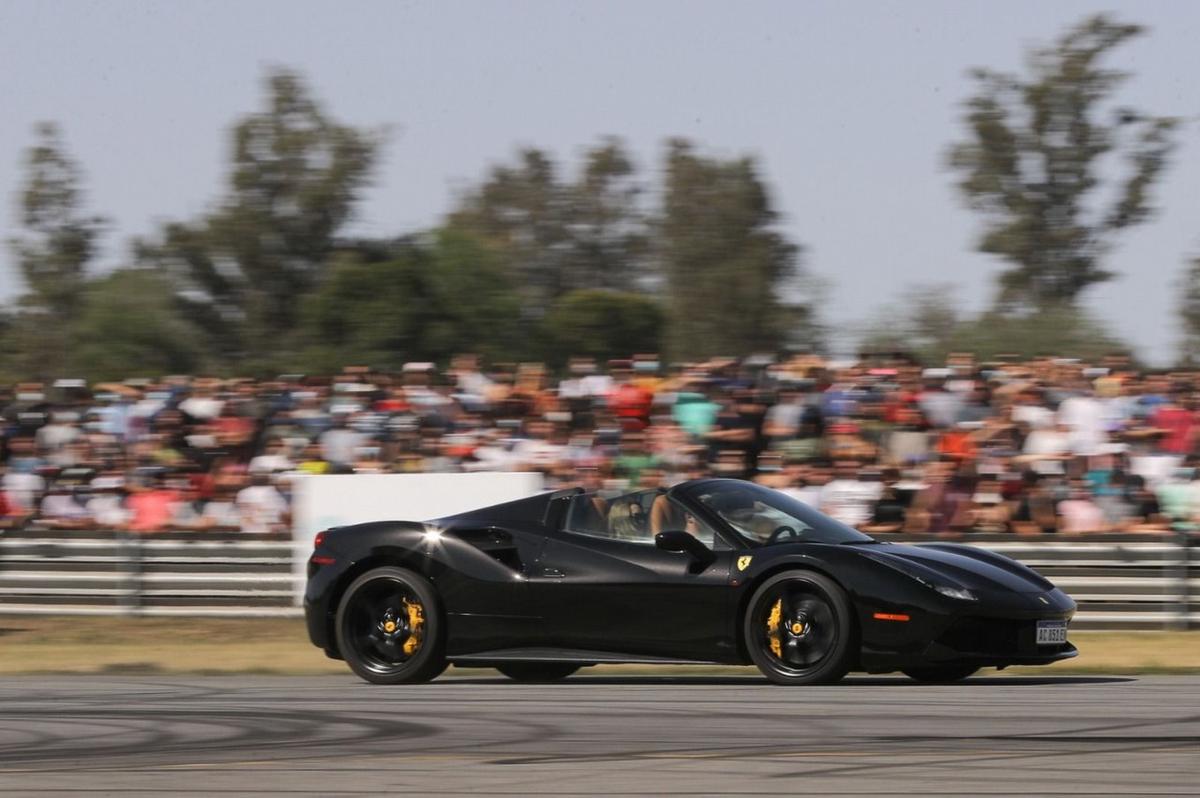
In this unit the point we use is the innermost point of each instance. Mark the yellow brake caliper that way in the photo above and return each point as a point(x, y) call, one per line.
point(773, 621)
point(416, 627)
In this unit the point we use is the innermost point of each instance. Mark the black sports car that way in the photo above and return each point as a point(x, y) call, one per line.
point(710, 571)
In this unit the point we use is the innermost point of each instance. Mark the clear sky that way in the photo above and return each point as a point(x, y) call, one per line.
point(849, 105)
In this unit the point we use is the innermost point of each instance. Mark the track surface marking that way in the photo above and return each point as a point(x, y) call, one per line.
point(595, 735)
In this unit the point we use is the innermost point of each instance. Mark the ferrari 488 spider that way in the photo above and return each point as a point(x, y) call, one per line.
point(710, 571)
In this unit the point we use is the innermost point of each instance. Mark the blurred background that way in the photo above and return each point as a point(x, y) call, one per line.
point(931, 269)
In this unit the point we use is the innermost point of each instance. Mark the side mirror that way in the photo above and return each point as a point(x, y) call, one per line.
point(678, 540)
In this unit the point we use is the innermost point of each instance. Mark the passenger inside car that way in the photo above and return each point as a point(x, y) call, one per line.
point(627, 520)
point(627, 517)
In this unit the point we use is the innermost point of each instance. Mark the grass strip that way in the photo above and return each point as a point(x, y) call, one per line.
point(116, 645)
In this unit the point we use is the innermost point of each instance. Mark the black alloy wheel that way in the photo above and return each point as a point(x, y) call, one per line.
point(537, 671)
point(941, 674)
point(389, 629)
point(799, 629)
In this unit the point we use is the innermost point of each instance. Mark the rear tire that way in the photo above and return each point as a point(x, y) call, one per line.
point(941, 674)
point(799, 629)
point(537, 671)
point(389, 627)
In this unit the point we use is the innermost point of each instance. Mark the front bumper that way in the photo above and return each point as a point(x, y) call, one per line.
point(995, 641)
point(997, 631)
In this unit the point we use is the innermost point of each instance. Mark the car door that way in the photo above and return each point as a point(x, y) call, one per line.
point(600, 592)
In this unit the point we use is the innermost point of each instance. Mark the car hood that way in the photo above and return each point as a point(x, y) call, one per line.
point(964, 566)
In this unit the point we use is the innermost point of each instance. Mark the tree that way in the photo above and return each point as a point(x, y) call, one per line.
point(295, 177)
point(1188, 310)
point(57, 246)
point(470, 303)
point(602, 324)
point(556, 236)
point(922, 322)
point(365, 311)
point(412, 299)
point(1031, 165)
point(106, 345)
point(1057, 330)
point(929, 326)
point(729, 274)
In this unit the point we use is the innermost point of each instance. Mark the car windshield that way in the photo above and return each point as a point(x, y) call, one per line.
point(762, 516)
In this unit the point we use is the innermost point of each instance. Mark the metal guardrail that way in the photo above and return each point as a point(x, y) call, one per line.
point(115, 573)
point(1119, 581)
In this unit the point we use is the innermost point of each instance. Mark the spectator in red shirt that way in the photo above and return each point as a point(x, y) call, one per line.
point(1177, 423)
point(7, 511)
point(629, 402)
point(152, 508)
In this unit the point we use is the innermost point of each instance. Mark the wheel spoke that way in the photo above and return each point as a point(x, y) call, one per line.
point(809, 647)
point(374, 602)
point(380, 606)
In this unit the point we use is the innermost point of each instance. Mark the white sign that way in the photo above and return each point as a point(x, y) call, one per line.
point(321, 502)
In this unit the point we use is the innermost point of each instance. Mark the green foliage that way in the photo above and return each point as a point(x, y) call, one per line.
point(727, 270)
point(538, 263)
point(410, 300)
point(294, 179)
point(58, 243)
point(922, 321)
point(930, 328)
point(129, 325)
point(1030, 165)
point(471, 303)
point(1060, 330)
point(364, 313)
point(603, 324)
point(1188, 310)
point(554, 236)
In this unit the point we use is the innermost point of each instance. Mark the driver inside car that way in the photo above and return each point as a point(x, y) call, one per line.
point(747, 515)
point(667, 516)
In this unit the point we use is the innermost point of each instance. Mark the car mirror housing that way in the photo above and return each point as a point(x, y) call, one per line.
point(678, 540)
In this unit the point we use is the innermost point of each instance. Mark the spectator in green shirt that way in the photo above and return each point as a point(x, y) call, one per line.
point(633, 458)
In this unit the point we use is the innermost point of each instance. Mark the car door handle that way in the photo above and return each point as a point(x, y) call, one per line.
point(552, 573)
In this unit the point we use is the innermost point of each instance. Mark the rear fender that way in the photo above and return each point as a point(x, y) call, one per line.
point(379, 558)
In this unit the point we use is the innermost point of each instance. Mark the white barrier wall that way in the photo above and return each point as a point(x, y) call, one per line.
point(321, 502)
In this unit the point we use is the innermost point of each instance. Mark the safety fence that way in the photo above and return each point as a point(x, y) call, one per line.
point(1119, 581)
point(172, 573)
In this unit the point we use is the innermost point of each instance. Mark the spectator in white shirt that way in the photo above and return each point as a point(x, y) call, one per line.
point(261, 507)
point(339, 444)
point(847, 499)
point(65, 506)
point(274, 460)
point(107, 502)
point(202, 405)
point(1084, 418)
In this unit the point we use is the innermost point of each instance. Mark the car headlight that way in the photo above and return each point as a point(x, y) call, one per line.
point(960, 593)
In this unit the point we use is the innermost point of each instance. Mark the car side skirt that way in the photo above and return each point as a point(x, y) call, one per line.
point(485, 658)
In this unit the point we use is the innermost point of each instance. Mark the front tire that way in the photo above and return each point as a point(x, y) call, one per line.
point(941, 674)
point(389, 628)
point(799, 629)
point(537, 671)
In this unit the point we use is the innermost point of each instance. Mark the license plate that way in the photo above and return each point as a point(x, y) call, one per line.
point(1051, 633)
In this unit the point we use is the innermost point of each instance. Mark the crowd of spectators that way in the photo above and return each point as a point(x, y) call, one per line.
point(1051, 445)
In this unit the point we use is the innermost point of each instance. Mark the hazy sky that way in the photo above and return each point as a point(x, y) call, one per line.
point(849, 106)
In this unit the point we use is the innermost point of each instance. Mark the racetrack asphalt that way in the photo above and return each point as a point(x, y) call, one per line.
point(330, 735)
